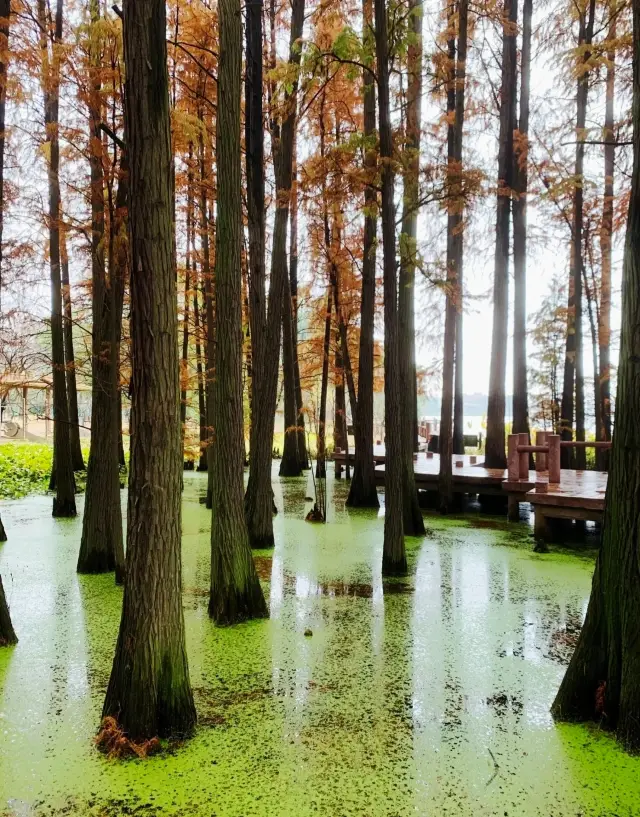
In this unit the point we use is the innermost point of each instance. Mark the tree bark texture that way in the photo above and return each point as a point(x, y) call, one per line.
point(101, 544)
point(601, 682)
point(64, 502)
point(394, 559)
point(7, 633)
point(363, 492)
point(236, 594)
point(5, 24)
point(69, 356)
point(495, 456)
point(149, 690)
point(290, 465)
point(259, 494)
point(520, 181)
point(413, 522)
point(573, 384)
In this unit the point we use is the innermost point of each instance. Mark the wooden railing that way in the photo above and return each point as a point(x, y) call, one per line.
point(547, 451)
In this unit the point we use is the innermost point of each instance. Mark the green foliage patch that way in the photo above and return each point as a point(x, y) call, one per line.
point(25, 468)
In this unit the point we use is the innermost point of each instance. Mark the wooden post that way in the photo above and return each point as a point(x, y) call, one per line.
point(513, 507)
point(554, 458)
point(542, 459)
point(523, 458)
point(513, 461)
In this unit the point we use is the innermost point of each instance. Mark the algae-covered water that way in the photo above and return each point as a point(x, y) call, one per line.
point(425, 697)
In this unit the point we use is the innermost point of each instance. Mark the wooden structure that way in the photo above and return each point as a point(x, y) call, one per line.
point(553, 493)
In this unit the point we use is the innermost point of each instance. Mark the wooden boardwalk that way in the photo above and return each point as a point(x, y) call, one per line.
point(580, 494)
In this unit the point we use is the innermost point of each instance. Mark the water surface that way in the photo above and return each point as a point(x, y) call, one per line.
point(424, 697)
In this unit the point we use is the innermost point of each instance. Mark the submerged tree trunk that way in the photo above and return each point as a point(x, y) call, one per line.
point(601, 682)
point(149, 690)
point(290, 465)
point(606, 231)
point(70, 357)
point(101, 545)
point(266, 333)
point(236, 593)
point(413, 522)
point(7, 633)
point(394, 559)
point(303, 455)
point(495, 456)
point(362, 492)
point(573, 401)
point(64, 502)
point(520, 182)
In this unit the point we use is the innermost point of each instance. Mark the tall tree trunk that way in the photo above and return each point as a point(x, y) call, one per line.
point(149, 690)
point(363, 491)
point(601, 682)
point(7, 633)
point(70, 357)
point(259, 494)
point(64, 502)
point(453, 349)
point(5, 13)
point(394, 559)
point(340, 405)
point(101, 545)
point(202, 410)
point(574, 364)
point(413, 523)
point(495, 456)
point(236, 593)
point(303, 455)
point(209, 322)
point(604, 324)
point(290, 463)
point(520, 181)
point(184, 364)
point(324, 389)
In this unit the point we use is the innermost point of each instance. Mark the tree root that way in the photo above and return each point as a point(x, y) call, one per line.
point(113, 742)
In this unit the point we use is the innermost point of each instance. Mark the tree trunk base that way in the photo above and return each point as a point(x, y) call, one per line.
point(228, 607)
point(263, 542)
point(393, 567)
point(3, 533)
point(7, 633)
point(413, 521)
point(96, 561)
point(361, 497)
point(64, 508)
point(290, 466)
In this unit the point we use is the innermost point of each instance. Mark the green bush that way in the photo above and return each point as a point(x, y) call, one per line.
point(25, 469)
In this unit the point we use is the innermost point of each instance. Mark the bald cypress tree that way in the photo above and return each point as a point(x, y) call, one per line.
point(7, 634)
point(149, 691)
point(235, 587)
point(602, 681)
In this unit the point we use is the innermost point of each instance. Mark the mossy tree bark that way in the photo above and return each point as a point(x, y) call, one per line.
point(495, 454)
point(363, 492)
point(7, 633)
point(602, 680)
point(266, 332)
point(64, 502)
point(236, 593)
point(394, 559)
point(101, 545)
point(413, 522)
point(149, 690)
